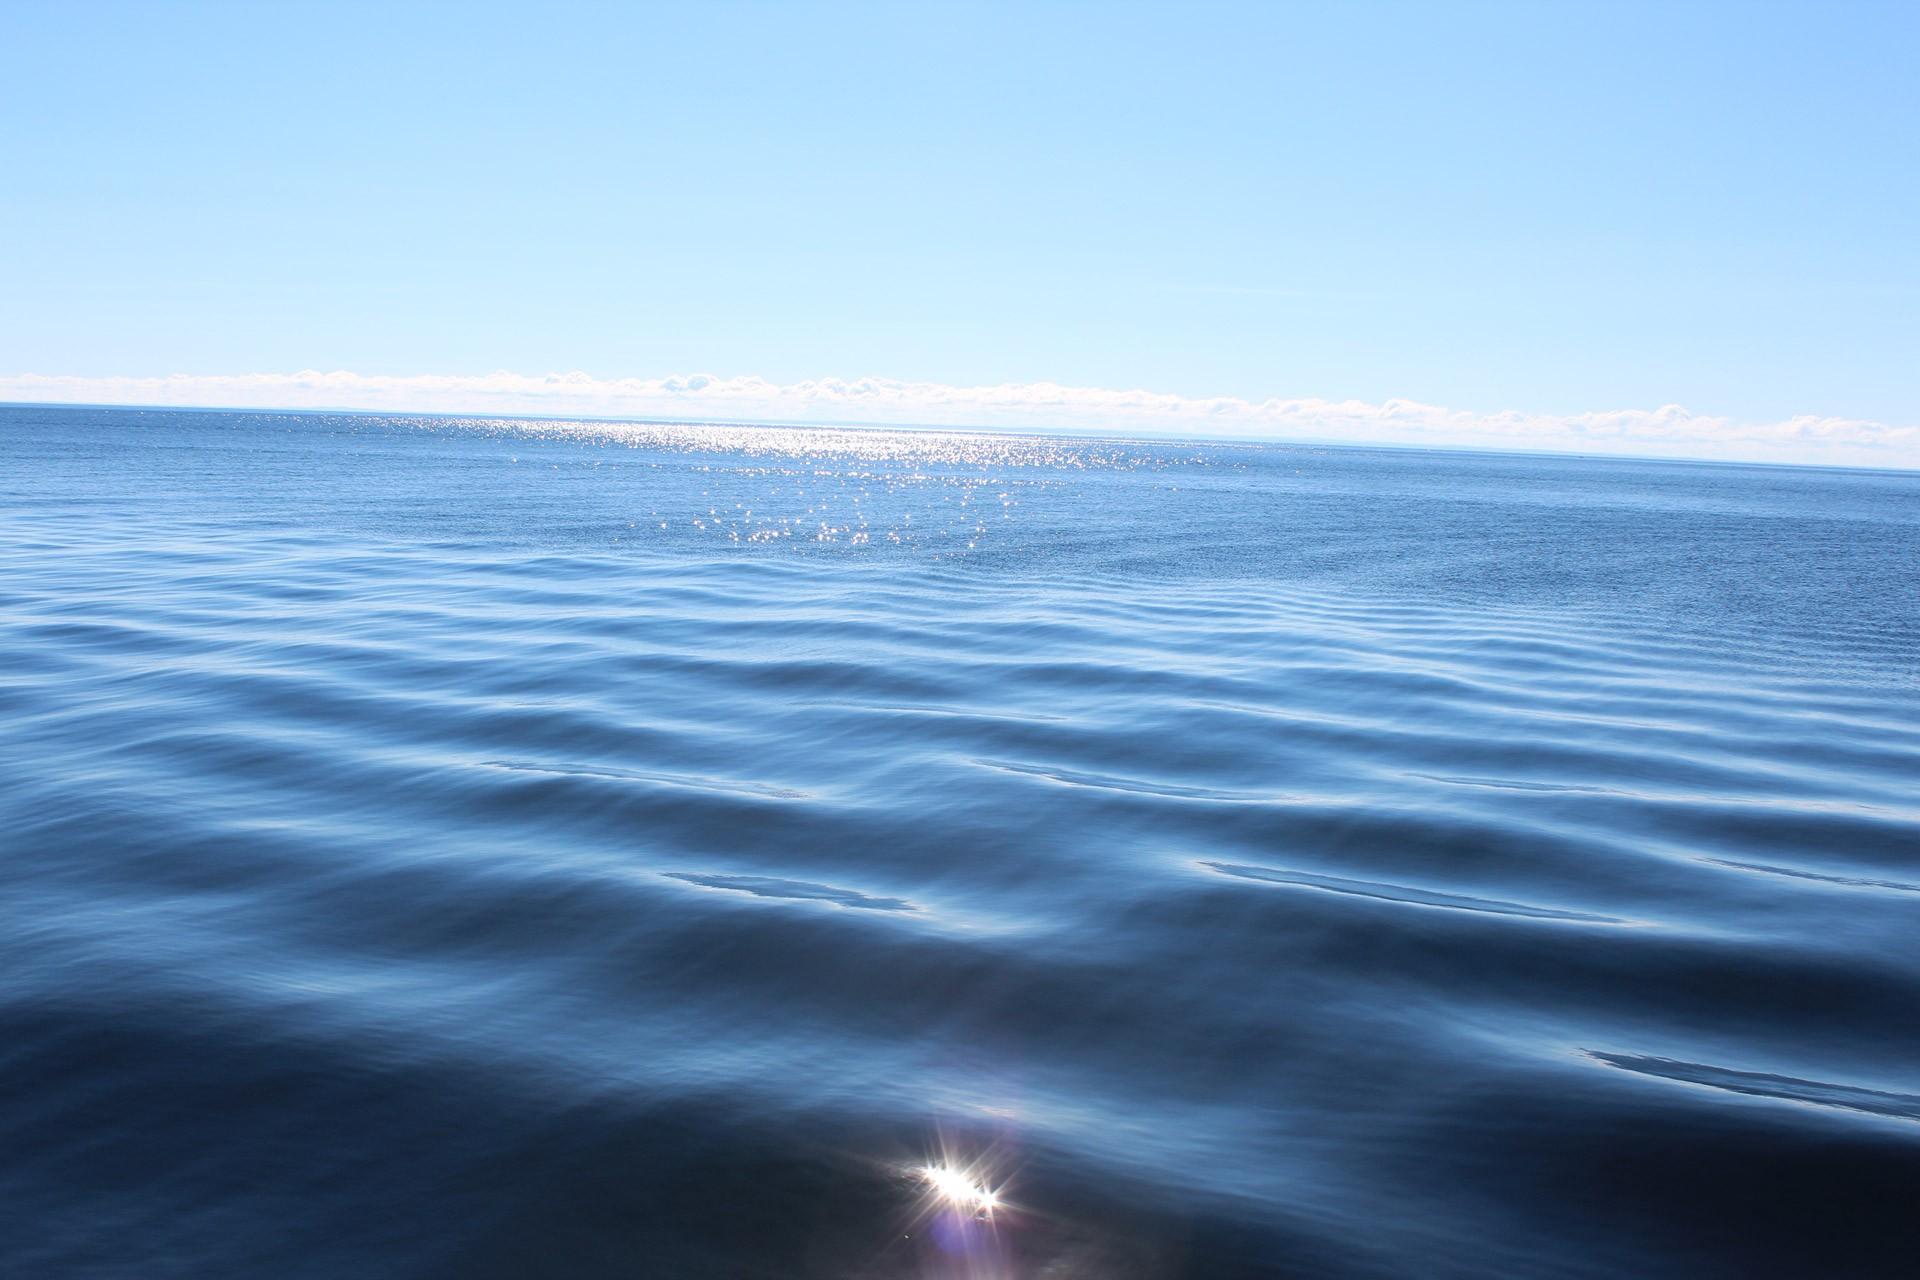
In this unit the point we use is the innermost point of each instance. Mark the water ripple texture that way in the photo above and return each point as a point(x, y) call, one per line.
point(497, 848)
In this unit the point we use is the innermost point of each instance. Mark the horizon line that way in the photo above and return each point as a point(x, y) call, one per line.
point(1090, 434)
point(1670, 432)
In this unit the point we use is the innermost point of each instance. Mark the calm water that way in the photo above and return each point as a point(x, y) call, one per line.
point(439, 848)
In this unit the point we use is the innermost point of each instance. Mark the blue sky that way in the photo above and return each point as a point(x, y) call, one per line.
point(1553, 209)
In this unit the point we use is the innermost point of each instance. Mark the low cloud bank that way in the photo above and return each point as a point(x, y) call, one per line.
point(1669, 431)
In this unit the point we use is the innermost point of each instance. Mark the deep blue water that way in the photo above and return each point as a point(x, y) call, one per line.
point(437, 848)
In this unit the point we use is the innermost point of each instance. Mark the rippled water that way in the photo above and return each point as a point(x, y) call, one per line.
point(471, 849)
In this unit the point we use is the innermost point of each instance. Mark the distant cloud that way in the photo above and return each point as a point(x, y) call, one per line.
point(1666, 431)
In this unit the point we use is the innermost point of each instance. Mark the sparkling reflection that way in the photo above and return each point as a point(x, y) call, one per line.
point(961, 1220)
point(959, 1189)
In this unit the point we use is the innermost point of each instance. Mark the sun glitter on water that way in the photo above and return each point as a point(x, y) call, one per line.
point(960, 1190)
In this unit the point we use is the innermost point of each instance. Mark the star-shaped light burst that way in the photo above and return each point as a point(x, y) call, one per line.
point(961, 1189)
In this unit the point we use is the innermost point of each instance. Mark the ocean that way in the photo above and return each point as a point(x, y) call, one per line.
point(465, 848)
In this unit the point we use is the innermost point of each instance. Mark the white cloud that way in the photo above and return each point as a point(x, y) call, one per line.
point(1667, 431)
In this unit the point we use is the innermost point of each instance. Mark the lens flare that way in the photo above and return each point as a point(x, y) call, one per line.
point(960, 1190)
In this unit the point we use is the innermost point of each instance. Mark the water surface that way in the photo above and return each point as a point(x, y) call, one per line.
point(451, 848)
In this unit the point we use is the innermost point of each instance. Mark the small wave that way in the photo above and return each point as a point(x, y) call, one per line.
point(920, 709)
point(1403, 893)
point(664, 779)
point(1760, 1084)
point(1852, 882)
point(803, 890)
point(1514, 784)
point(1104, 782)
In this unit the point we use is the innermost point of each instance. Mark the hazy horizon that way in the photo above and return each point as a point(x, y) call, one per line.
point(1669, 433)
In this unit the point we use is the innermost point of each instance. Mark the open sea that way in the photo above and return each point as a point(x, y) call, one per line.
point(474, 849)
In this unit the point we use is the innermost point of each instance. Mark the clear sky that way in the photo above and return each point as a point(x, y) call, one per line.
point(1548, 208)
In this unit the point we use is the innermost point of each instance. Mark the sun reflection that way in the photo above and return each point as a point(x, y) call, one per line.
point(959, 1189)
point(858, 489)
